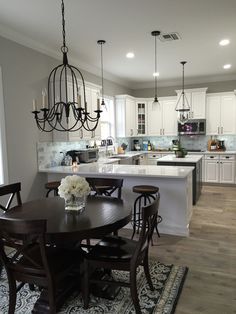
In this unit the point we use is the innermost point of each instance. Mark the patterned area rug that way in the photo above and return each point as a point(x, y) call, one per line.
point(168, 281)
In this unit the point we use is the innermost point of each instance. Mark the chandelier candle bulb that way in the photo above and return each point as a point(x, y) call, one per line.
point(79, 101)
point(34, 105)
point(98, 104)
point(43, 99)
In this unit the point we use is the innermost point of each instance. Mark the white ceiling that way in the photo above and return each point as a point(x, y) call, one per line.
point(126, 25)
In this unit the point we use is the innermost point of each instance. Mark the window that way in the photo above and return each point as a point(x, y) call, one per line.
point(108, 119)
point(3, 152)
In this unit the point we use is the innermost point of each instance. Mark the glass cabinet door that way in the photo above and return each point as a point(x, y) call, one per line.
point(141, 117)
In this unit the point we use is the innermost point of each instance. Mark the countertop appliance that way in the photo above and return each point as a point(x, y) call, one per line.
point(192, 127)
point(136, 145)
point(88, 155)
point(221, 145)
point(74, 154)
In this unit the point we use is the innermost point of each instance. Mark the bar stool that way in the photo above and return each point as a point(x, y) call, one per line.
point(52, 186)
point(147, 194)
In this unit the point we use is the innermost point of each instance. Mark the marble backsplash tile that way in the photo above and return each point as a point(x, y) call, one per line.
point(189, 142)
point(50, 154)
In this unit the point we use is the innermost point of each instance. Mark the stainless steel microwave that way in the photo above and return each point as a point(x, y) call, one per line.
point(192, 127)
point(88, 155)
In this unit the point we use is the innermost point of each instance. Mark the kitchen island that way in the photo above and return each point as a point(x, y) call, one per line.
point(175, 185)
point(189, 160)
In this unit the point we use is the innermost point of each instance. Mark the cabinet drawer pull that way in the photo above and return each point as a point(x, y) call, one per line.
point(227, 157)
point(211, 156)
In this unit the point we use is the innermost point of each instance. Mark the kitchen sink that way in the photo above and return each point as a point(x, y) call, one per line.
point(119, 157)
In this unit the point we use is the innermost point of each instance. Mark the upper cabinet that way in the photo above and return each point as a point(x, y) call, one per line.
point(197, 101)
point(221, 113)
point(162, 119)
point(125, 116)
point(141, 114)
point(92, 94)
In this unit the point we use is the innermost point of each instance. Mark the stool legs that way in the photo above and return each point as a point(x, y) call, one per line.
point(141, 201)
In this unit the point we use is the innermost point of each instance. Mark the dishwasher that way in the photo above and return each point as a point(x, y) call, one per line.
point(152, 159)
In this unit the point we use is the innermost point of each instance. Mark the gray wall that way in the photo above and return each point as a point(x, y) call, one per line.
point(213, 87)
point(25, 72)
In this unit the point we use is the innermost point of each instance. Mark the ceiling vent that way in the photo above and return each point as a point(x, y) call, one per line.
point(169, 36)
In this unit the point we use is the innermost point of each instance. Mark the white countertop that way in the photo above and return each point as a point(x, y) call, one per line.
point(110, 170)
point(186, 159)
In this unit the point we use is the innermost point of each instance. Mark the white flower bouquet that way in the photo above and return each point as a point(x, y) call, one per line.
point(74, 189)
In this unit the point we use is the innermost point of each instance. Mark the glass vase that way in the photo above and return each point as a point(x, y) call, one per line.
point(75, 204)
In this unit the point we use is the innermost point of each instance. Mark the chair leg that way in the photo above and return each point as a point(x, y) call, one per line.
point(85, 289)
point(133, 290)
point(48, 193)
point(12, 295)
point(147, 272)
point(52, 299)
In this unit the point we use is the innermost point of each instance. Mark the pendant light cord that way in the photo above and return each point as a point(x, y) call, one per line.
point(155, 66)
point(102, 71)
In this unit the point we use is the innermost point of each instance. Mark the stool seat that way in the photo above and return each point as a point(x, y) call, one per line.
point(145, 189)
point(52, 186)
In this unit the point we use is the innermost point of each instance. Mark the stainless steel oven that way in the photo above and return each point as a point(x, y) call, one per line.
point(88, 155)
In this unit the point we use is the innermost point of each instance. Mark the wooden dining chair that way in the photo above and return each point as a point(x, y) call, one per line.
point(106, 186)
point(118, 253)
point(13, 191)
point(32, 261)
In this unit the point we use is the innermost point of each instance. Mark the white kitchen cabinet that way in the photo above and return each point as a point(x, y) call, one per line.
point(197, 101)
point(162, 119)
point(141, 118)
point(221, 114)
point(212, 169)
point(92, 93)
point(220, 169)
point(125, 116)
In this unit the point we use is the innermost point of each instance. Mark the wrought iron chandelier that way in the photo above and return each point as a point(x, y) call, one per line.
point(155, 74)
point(182, 106)
point(67, 108)
point(101, 42)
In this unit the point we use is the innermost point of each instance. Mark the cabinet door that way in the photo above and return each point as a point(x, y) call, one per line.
point(130, 127)
point(227, 171)
point(169, 118)
point(228, 114)
point(212, 171)
point(213, 115)
point(141, 118)
point(154, 119)
point(198, 105)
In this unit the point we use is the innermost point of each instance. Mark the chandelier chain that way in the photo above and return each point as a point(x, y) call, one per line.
point(63, 25)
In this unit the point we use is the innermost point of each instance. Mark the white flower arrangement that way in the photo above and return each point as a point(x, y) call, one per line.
point(73, 186)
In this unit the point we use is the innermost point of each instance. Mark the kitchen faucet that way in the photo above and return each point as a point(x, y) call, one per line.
point(108, 138)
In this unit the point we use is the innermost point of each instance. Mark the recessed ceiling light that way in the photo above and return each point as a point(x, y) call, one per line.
point(130, 55)
point(227, 66)
point(224, 42)
point(156, 74)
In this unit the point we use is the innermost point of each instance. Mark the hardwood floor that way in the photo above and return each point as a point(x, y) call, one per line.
point(209, 252)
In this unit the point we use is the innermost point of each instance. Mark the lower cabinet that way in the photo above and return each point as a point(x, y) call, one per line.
point(220, 169)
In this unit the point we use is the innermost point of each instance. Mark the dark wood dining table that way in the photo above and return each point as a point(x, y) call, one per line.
point(101, 216)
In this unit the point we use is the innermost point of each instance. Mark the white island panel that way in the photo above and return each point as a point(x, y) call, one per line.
point(175, 184)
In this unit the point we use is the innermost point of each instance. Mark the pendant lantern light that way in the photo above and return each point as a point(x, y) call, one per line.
point(155, 74)
point(101, 43)
point(182, 106)
point(65, 111)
